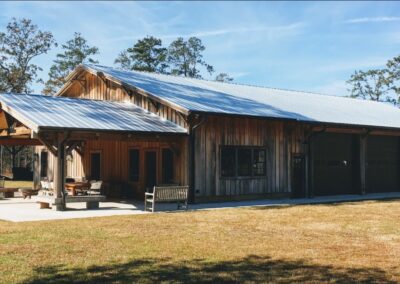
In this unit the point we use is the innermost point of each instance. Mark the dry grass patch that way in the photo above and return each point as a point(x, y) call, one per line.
point(357, 242)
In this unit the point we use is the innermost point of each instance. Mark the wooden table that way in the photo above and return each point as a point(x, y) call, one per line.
point(74, 187)
point(8, 191)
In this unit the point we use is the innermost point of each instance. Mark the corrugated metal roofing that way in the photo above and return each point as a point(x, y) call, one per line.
point(41, 112)
point(226, 98)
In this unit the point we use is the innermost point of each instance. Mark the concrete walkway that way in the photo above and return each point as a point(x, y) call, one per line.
point(20, 210)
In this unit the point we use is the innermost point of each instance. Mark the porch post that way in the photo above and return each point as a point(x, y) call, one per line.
point(59, 173)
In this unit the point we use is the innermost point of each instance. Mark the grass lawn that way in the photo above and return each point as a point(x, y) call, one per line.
point(358, 242)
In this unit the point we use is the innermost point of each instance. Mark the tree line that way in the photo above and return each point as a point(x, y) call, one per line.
point(23, 41)
point(381, 84)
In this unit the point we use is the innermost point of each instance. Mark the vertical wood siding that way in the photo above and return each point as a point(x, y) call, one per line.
point(280, 139)
point(115, 161)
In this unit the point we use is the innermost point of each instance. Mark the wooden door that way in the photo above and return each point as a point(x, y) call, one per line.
point(150, 169)
point(298, 176)
point(335, 164)
point(95, 166)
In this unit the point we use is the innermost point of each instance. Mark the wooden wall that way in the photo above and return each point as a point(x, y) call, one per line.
point(115, 161)
point(280, 139)
point(92, 87)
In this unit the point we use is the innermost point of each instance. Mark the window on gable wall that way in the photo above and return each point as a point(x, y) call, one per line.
point(237, 161)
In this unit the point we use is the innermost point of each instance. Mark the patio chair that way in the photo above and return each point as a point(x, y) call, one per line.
point(44, 184)
point(95, 188)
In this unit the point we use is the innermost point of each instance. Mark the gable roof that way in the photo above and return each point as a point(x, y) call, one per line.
point(194, 95)
point(39, 112)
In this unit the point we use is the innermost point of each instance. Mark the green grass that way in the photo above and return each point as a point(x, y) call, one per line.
point(344, 243)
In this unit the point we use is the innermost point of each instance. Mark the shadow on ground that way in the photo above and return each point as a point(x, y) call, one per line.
point(249, 269)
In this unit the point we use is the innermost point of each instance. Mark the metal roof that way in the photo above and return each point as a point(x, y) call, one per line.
point(40, 112)
point(226, 98)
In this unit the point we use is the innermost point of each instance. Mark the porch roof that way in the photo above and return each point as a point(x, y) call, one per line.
point(39, 112)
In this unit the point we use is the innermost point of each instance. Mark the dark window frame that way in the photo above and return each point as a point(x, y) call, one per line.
point(236, 149)
point(164, 172)
point(100, 165)
point(130, 175)
point(44, 169)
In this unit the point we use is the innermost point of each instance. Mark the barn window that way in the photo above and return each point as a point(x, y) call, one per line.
point(134, 165)
point(43, 164)
point(228, 161)
point(167, 166)
point(243, 161)
point(259, 162)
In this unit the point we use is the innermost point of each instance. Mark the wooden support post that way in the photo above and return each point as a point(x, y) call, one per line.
point(363, 163)
point(59, 172)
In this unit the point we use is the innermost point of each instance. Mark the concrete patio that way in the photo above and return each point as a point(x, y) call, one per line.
point(20, 210)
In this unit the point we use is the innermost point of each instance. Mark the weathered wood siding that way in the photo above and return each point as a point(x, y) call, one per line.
point(115, 161)
point(93, 87)
point(280, 139)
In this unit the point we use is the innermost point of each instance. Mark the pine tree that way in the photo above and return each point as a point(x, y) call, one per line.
point(186, 56)
point(146, 55)
point(75, 51)
point(19, 45)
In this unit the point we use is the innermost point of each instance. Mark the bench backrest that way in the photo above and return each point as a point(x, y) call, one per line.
point(95, 185)
point(171, 193)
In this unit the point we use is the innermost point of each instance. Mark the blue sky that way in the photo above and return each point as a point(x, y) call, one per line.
point(312, 46)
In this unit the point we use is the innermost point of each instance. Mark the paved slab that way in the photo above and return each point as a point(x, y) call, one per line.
point(20, 210)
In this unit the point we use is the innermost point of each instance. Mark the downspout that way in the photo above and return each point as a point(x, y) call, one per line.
point(192, 163)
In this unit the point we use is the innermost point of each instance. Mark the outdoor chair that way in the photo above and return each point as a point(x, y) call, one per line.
point(95, 188)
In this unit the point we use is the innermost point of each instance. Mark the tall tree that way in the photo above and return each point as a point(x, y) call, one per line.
point(223, 77)
point(19, 45)
point(147, 54)
point(378, 84)
point(75, 52)
point(393, 76)
point(369, 85)
point(186, 57)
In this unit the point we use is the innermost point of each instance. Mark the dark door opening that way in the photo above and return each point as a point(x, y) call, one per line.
point(335, 158)
point(43, 164)
point(95, 166)
point(298, 176)
point(151, 169)
point(383, 164)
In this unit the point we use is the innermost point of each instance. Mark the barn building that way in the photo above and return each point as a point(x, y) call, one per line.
point(134, 130)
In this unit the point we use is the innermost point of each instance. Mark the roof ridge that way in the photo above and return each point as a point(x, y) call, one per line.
point(228, 83)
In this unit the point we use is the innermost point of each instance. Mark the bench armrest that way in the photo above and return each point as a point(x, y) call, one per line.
point(149, 194)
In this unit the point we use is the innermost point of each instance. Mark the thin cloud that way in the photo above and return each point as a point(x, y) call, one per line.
point(219, 32)
point(372, 20)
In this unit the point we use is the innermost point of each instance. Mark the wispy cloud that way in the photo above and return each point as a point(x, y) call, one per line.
point(223, 31)
point(372, 20)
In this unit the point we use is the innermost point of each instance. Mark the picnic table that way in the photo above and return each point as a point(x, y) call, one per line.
point(75, 187)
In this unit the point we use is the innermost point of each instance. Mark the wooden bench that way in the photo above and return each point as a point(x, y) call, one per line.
point(177, 194)
point(92, 202)
point(8, 192)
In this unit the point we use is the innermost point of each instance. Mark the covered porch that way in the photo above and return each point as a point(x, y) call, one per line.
point(119, 144)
